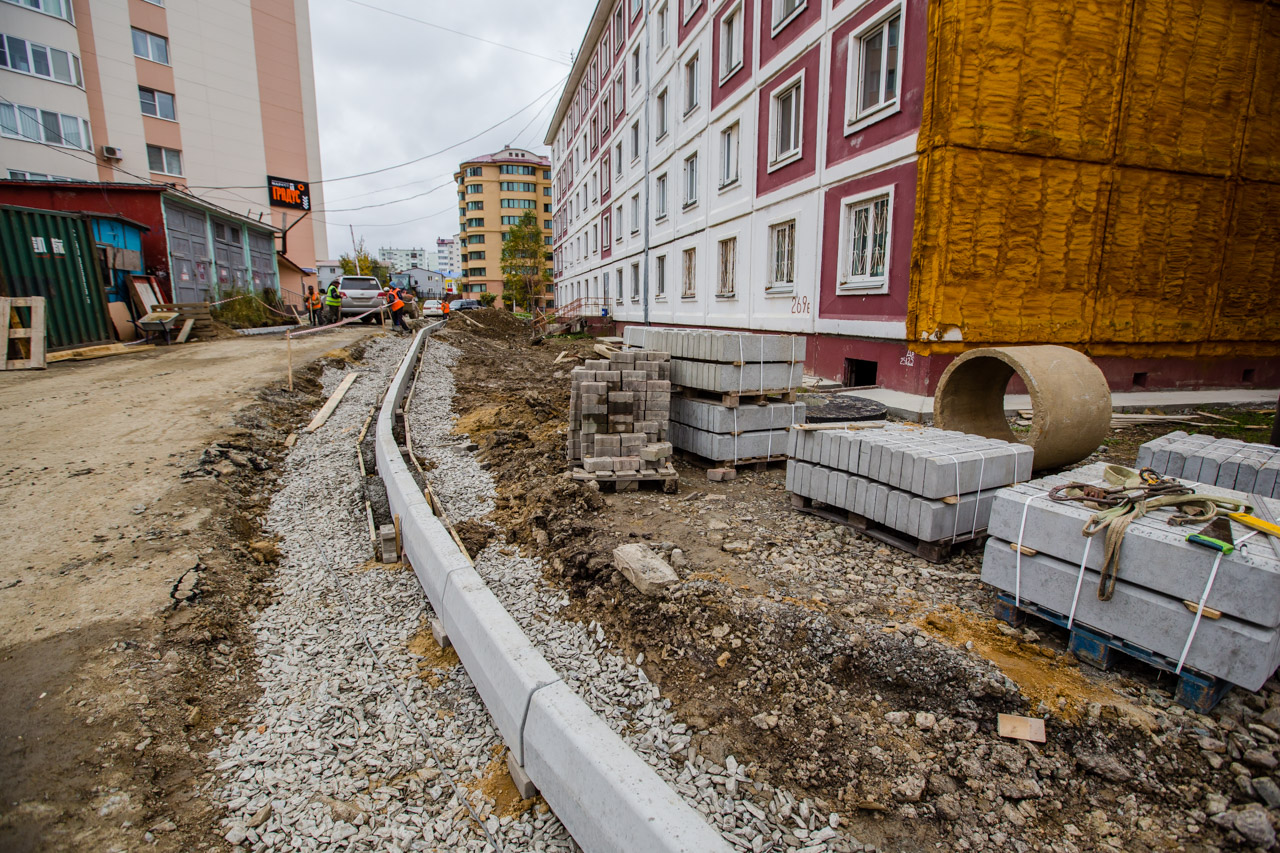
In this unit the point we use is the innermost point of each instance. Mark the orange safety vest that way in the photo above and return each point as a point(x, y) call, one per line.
point(393, 296)
point(313, 301)
point(444, 306)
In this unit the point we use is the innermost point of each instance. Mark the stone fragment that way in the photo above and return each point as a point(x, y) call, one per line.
point(720, 475)
point(1255, 826)
point(648, 572)
point(737, 546)
point(909, 788)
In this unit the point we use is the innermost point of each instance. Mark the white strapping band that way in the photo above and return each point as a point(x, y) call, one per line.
point(1208, 587)
point(1075, 599)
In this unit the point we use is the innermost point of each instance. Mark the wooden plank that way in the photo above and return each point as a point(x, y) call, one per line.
point(29, 341)
point(851, 425)
point(1021, 728)
point(186, 330)
point(102, 351)
point(334, 400)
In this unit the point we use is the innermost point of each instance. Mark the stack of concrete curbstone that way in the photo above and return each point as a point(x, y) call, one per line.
point(898, 476)
point(1038, 554)
point(619, 414)
point(1226, 462)
point(728, 366)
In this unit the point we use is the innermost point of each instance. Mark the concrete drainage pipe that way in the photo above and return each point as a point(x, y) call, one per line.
point(1070, 401)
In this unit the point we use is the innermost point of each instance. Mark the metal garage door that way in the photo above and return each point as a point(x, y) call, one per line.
point(262, 259)
point(228, 256)
point(188, 253)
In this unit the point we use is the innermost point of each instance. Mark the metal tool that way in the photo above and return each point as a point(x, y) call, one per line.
point(1260, 507)
point(1216, 535)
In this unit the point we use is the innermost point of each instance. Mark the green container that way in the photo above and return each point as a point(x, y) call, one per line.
point(51, 254)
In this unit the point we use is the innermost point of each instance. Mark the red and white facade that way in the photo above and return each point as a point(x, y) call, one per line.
point(746, 164)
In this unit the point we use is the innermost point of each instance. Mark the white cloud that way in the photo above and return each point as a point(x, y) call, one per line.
point(390, 90)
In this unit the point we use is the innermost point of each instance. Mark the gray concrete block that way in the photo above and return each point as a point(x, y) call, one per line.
point(604, 794)
point(728, 448)
point(1240, 652)
point(647, 572)
point(520, 779)
point(748, 378)
point(714, 345)
point(712, 417)
point(1154, 555)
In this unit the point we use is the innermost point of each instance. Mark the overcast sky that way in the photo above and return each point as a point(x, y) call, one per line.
point(390, 89)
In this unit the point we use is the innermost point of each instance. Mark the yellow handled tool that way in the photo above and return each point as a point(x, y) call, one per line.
point(1256, 523)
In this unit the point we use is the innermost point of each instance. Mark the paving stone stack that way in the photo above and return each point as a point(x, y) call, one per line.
point(714, 371)
point(1226, 462)
point(619, 414)
point(897, 476)
point(1159, 572)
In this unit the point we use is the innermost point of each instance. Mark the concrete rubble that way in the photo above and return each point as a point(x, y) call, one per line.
point(647, 571)
point(1227, 462)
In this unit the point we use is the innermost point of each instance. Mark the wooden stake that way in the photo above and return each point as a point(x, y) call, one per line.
point(323, 414)
point(288, 343)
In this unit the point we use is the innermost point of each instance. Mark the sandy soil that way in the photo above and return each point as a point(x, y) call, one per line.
point(126, 577)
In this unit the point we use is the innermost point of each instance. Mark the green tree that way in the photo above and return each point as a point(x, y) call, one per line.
point(524, 262)
point(362, 263)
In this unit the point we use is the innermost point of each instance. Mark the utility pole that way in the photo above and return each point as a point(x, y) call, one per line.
point(355, 250)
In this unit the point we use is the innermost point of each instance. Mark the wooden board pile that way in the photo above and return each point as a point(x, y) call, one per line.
point(1037, 554)
point(930, 484)
point(619, 413)
point(1226, 462)
point(736, 397)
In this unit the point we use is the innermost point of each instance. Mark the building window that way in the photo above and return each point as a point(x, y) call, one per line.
point(36, 125)
point(691, 85)
point(474, 239)
point(663, 40)
point(475, 223)
point(785, 118)
point(605, 173)
point(475, 172)
point(635, 140)
point(156, 103)
point(519, 203)
point(509, 169)
point(691, 180)
point(517, 187)
point(606, 229)
point(660, 197)
point(689, 274)
point(729, 155)
point(635, 282)
point(618, 159)
point(546, 224)
point(617, 215)
point(475, 256)
point(635, 68)
point(620, 93)
point(595, 238)
point(662, 114)
point(150, 46)
point(57, 8)
point(546, 191)
point(475, 205)
point(728, 273)
point(785, 10)
point(635, 214)
point(164, 161)
point(619, 26)
point(475, 188)
point(511, 220)
point(618, 279)
point(874, 69)
point(546, 208)
point(660, 278)
point(30, 58)
point(864, 237)
point(15, 175)
point(690, 6)
point(730, 42)
point(782, 257)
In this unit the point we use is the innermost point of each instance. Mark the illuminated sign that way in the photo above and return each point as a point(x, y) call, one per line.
point(287, 193)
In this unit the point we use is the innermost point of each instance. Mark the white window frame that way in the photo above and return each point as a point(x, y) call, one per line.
point(727, 273)
point(74, 70)
point(635, 68)
point(664, 41)
point(856, 119)
point(690, 8)
point(164, 159)
point(730, 155)
point(778, 159)
point(864, 284)
point(635, 282)
point(635, 140)
point(660, 279)
point(155, 99)
point(617, 215)
point(635, 214)
point(660, 197)
point(618, 158)
point(661, 109)
point(781, 20)
point(38, 6)
point(774, 286)
point(34, 118)
point(168, 54)
point(618, 276)
point(691, 95)
point(731, 44)
point(689, 273)
point(690, 174)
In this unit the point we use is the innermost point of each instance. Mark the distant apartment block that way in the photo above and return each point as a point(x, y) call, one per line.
point(902, 181)
point(399, 260)
point(494, 192)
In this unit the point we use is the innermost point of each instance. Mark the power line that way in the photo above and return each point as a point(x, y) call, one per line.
point(458, 32)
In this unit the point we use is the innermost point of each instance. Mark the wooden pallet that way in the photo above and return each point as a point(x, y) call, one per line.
point(1196, 690)
point(756, 463)
point(28, 341)
point(934, 552)
point(669, 483)
point(197, 311)
point(734, 399)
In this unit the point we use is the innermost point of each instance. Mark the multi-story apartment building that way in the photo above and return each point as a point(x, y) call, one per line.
point(448, 257)
point(138, 91)
point(902, 180)
point(494, 191)
point(399, 260)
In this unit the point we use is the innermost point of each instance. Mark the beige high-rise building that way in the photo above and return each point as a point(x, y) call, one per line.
point(203, 95)
point(494, 191)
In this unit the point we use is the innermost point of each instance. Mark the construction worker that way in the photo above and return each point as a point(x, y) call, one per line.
point(444, 306)
point(313, 305)
point(392, 294)
point(333, 301)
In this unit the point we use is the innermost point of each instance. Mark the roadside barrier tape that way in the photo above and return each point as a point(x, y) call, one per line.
point(345, 322)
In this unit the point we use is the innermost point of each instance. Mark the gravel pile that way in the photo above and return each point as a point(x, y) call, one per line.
point(750, 815)
point(352, 747)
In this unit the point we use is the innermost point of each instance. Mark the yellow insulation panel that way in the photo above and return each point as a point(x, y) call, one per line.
point(1261, 157)
point(1039, 77)
point(1162, 257)
point(1249, 300)
point(1006, 250)
point(1187, 83)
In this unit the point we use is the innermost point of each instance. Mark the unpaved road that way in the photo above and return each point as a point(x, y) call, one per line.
point(95, 659)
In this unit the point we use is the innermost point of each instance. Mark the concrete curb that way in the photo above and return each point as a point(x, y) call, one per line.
point(605, 794)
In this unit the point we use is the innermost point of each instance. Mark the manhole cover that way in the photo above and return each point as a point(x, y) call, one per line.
point(833, 408)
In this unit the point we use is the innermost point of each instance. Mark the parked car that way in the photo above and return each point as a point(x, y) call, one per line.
point(360, 293)
point(465, 305)
point(432, 308)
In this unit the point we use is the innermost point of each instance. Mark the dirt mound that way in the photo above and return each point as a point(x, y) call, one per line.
point(497, 323)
